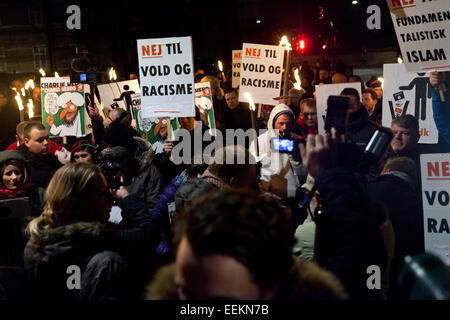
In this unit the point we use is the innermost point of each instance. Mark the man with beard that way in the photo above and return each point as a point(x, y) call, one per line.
point(71, 121)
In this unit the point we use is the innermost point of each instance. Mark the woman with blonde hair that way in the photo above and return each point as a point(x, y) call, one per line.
point(74, 253)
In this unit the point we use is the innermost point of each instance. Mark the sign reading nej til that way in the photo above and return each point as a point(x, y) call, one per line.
point(237, 59)
point(261, 72)
point(422, 29)
point(408, 93)
point(166, 77)
point(436, 203)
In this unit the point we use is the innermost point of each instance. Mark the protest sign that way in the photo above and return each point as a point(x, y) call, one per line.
point(236, 67)
point(323, 91)
point(154, 130)
point(422, 28)
point(408, 93)
point(63, 109)
point(261, 72)
point(435, 170)
point(204, 102)
point(167, 77)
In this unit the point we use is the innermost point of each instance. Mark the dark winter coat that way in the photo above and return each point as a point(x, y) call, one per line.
point(360, 129)
point(406, 214)
point(115, 261)
point(305, 281)
point(41, 168)
point(349, 239)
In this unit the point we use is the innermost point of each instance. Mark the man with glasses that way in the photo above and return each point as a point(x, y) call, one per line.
point(307, 122)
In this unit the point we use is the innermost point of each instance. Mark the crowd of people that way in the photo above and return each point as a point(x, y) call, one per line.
point(305, 224)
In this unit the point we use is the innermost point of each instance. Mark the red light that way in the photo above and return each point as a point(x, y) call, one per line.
point(300, 45)
point(324, 47)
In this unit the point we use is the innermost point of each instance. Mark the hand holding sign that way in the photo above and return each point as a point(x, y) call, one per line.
point(437, 80)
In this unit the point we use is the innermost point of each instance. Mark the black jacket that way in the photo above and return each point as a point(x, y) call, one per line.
point(41, 168)
point(348, 237)
point(406, 214)
point(360, 129)
point(114, 260)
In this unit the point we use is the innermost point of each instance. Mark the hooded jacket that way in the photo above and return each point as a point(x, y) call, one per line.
point(305, 281)
point(276, 163)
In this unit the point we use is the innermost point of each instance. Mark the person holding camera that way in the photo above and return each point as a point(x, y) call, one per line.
point(73, 233)
point(281, 172)
point(351, 234)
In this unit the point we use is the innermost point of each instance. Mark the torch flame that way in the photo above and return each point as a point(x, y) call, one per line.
point(284, 42)
point(42, 72)
point(298, 83)
point(112, 74)
point(19, 101)
point(56, 75)
point(23, 91)
point(399, 60)
point(29, 84)
point(382, 82)
point(220, 66)
point(250, 101)
point(30, 109)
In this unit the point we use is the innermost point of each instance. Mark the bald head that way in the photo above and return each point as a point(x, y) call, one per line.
point(339, 78)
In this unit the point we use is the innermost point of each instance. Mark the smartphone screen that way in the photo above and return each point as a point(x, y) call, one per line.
point(282, 145)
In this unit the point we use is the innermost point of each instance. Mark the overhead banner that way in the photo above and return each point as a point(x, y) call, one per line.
point(422, 28)
point(63, 109)
point(204, 102)
point(436, 202)
point(236, 63)
point(261, 73)
point(167, 77)
point(408, 93)
point(323, 91)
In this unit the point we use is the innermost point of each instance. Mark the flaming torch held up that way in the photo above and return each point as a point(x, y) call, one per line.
point(20, 106)
point(298, 83)
point(252, 108)
point(30, 107)
point(287, 46)
point(56, 74)
point(42, 72)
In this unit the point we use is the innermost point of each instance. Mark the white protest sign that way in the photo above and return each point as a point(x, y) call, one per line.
point(323, 91)
point(261, 72)
point(167, 77)
point(236, 63)
point(408, 93)
point(422, 28)
point(115, 94)
point(435, 170)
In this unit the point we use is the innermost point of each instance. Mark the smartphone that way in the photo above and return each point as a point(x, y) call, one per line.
point(282, 145)
point(337, 111)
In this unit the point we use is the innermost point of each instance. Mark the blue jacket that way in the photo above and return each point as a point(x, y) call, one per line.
point(441, 114)
point(160, 212)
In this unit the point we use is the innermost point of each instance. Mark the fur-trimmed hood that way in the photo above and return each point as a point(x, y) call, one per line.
point(80, 240)
point(306, 281)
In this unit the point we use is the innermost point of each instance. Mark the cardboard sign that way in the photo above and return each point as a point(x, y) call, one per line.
point(261, 73)
point(435, 169)
point(323, 91)
point(422, 28)
point(409, 93)
point(155, 130)
point(167, 77)
point(236, 64)
point(204, 102)
point(63, 110)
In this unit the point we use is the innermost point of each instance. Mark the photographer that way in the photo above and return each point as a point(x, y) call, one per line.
point(349, 234)
point(281, 173)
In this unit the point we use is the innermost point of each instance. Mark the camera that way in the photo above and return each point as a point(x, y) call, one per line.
point(337, 114)
point(112, 173)
point(283, 145)
point(91, 77)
